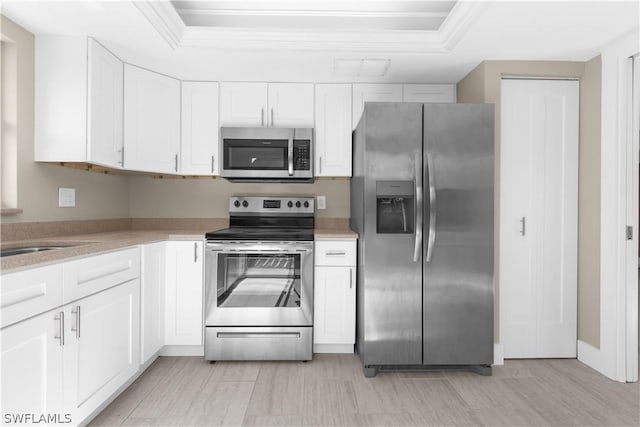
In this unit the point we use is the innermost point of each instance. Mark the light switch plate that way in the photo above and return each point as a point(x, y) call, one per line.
point(322, 202)
point(66, 197)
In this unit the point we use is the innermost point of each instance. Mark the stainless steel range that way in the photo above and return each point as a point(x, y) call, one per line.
point(259, 281)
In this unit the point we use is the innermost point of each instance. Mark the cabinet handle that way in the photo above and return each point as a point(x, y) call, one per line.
point(523, 226)
point(271, 116)
point(320, 168)
point(350, 278)
point(60, 319)
point(213, 163)
point(121, 162)
point(335, 253)
point(262, 116)
point(76, 311)
point(195, 252)
point(176, 162)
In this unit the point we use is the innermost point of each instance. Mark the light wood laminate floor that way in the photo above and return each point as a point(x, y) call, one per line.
point(331, 390)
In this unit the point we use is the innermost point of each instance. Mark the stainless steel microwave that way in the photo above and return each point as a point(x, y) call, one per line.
point(267, 154)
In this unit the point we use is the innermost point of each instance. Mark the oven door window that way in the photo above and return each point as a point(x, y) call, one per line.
point(244, 154)
point(258, 280)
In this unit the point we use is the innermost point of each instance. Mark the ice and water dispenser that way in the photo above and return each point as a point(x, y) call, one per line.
point(395, 207)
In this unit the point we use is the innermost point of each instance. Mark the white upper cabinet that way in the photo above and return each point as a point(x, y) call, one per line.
point(104, 141)
point(373, 93)
point(151, 121)
point(266, 104)
point(333, 130)
point(243, 104)
point(290, 104)
point(199, 146)
point(78, 101)
point(429, 93)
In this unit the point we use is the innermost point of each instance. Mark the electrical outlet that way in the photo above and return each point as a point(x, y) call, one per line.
point(322, 202)
point(66, 197)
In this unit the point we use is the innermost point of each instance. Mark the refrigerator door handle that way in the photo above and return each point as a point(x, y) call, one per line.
point(419, 208)
point(432, 208)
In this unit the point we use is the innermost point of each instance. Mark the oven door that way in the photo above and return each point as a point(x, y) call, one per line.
point(259, 284)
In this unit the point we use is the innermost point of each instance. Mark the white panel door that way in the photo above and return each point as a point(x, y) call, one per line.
point(151, 121)
point(290, 105)
point(334, 305)
point(429, 93)
point(152, 300)
point(184, 289)
point(101, 346)
point(373, 93)
point(105, 106)
point(199, 147)
point(243, 104)
point(538, 218)
point(333, 130)
point(32, 367)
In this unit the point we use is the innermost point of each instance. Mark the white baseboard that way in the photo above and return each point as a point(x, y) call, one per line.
point(182, 350)
point(589, 355)
point(498, 354)
point(333, 348)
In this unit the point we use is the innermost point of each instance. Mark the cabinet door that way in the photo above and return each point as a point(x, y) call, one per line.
point(152, 300)
point(183, 298)
point(151, 121)
point(101, 346)
point(32, 367)
point(105, 105)
point(333, 130)
point(199, 128)
point(290, 105)
point(373, 93)
point(334, 305)
point(429, 93)
point(243, 104)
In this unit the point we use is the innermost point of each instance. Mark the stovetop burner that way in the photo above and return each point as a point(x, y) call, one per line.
point(268, 219)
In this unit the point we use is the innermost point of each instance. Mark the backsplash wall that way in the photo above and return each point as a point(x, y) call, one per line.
point(208, 198)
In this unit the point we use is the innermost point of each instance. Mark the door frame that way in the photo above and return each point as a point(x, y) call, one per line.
point(617, 356)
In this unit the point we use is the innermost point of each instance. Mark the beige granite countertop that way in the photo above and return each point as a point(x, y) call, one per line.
point(80, 245)
point(86, 244)
point(334, 233)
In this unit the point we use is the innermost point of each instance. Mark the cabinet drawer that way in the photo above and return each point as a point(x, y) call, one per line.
point(334, 252)
point(90, 275)
point(29, 292)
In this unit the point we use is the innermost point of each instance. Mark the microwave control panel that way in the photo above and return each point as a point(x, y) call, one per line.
point(301, 154)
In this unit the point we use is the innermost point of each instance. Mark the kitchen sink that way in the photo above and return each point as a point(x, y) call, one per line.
point(28, 249)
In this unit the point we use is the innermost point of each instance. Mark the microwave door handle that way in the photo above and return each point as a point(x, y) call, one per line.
point(290, 156)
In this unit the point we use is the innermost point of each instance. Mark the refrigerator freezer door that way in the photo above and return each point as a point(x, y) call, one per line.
point(390, 282)
point(458, 278)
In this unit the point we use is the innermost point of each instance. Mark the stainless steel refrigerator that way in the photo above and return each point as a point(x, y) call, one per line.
point(422, 203)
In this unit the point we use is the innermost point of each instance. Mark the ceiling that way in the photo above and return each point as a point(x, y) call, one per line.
point(332, 40)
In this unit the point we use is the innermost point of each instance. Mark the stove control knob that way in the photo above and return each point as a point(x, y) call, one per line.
point(236, 203)
point(306, 204)
point(290, 204)
point(245, 203)
point(298, 204)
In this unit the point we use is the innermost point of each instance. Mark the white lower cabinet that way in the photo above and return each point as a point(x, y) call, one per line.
point(31, 364)
point(66, 362)
point(334, 300)
point(183, 293)
point(152, 300)
point(101, 347)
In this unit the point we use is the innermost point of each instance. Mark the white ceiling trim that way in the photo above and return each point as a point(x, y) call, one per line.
point(165, 19)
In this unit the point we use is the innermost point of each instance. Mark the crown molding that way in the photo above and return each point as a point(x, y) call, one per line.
point(165, 19)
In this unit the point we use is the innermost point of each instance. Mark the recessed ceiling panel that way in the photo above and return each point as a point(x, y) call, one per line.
point(316, 15)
